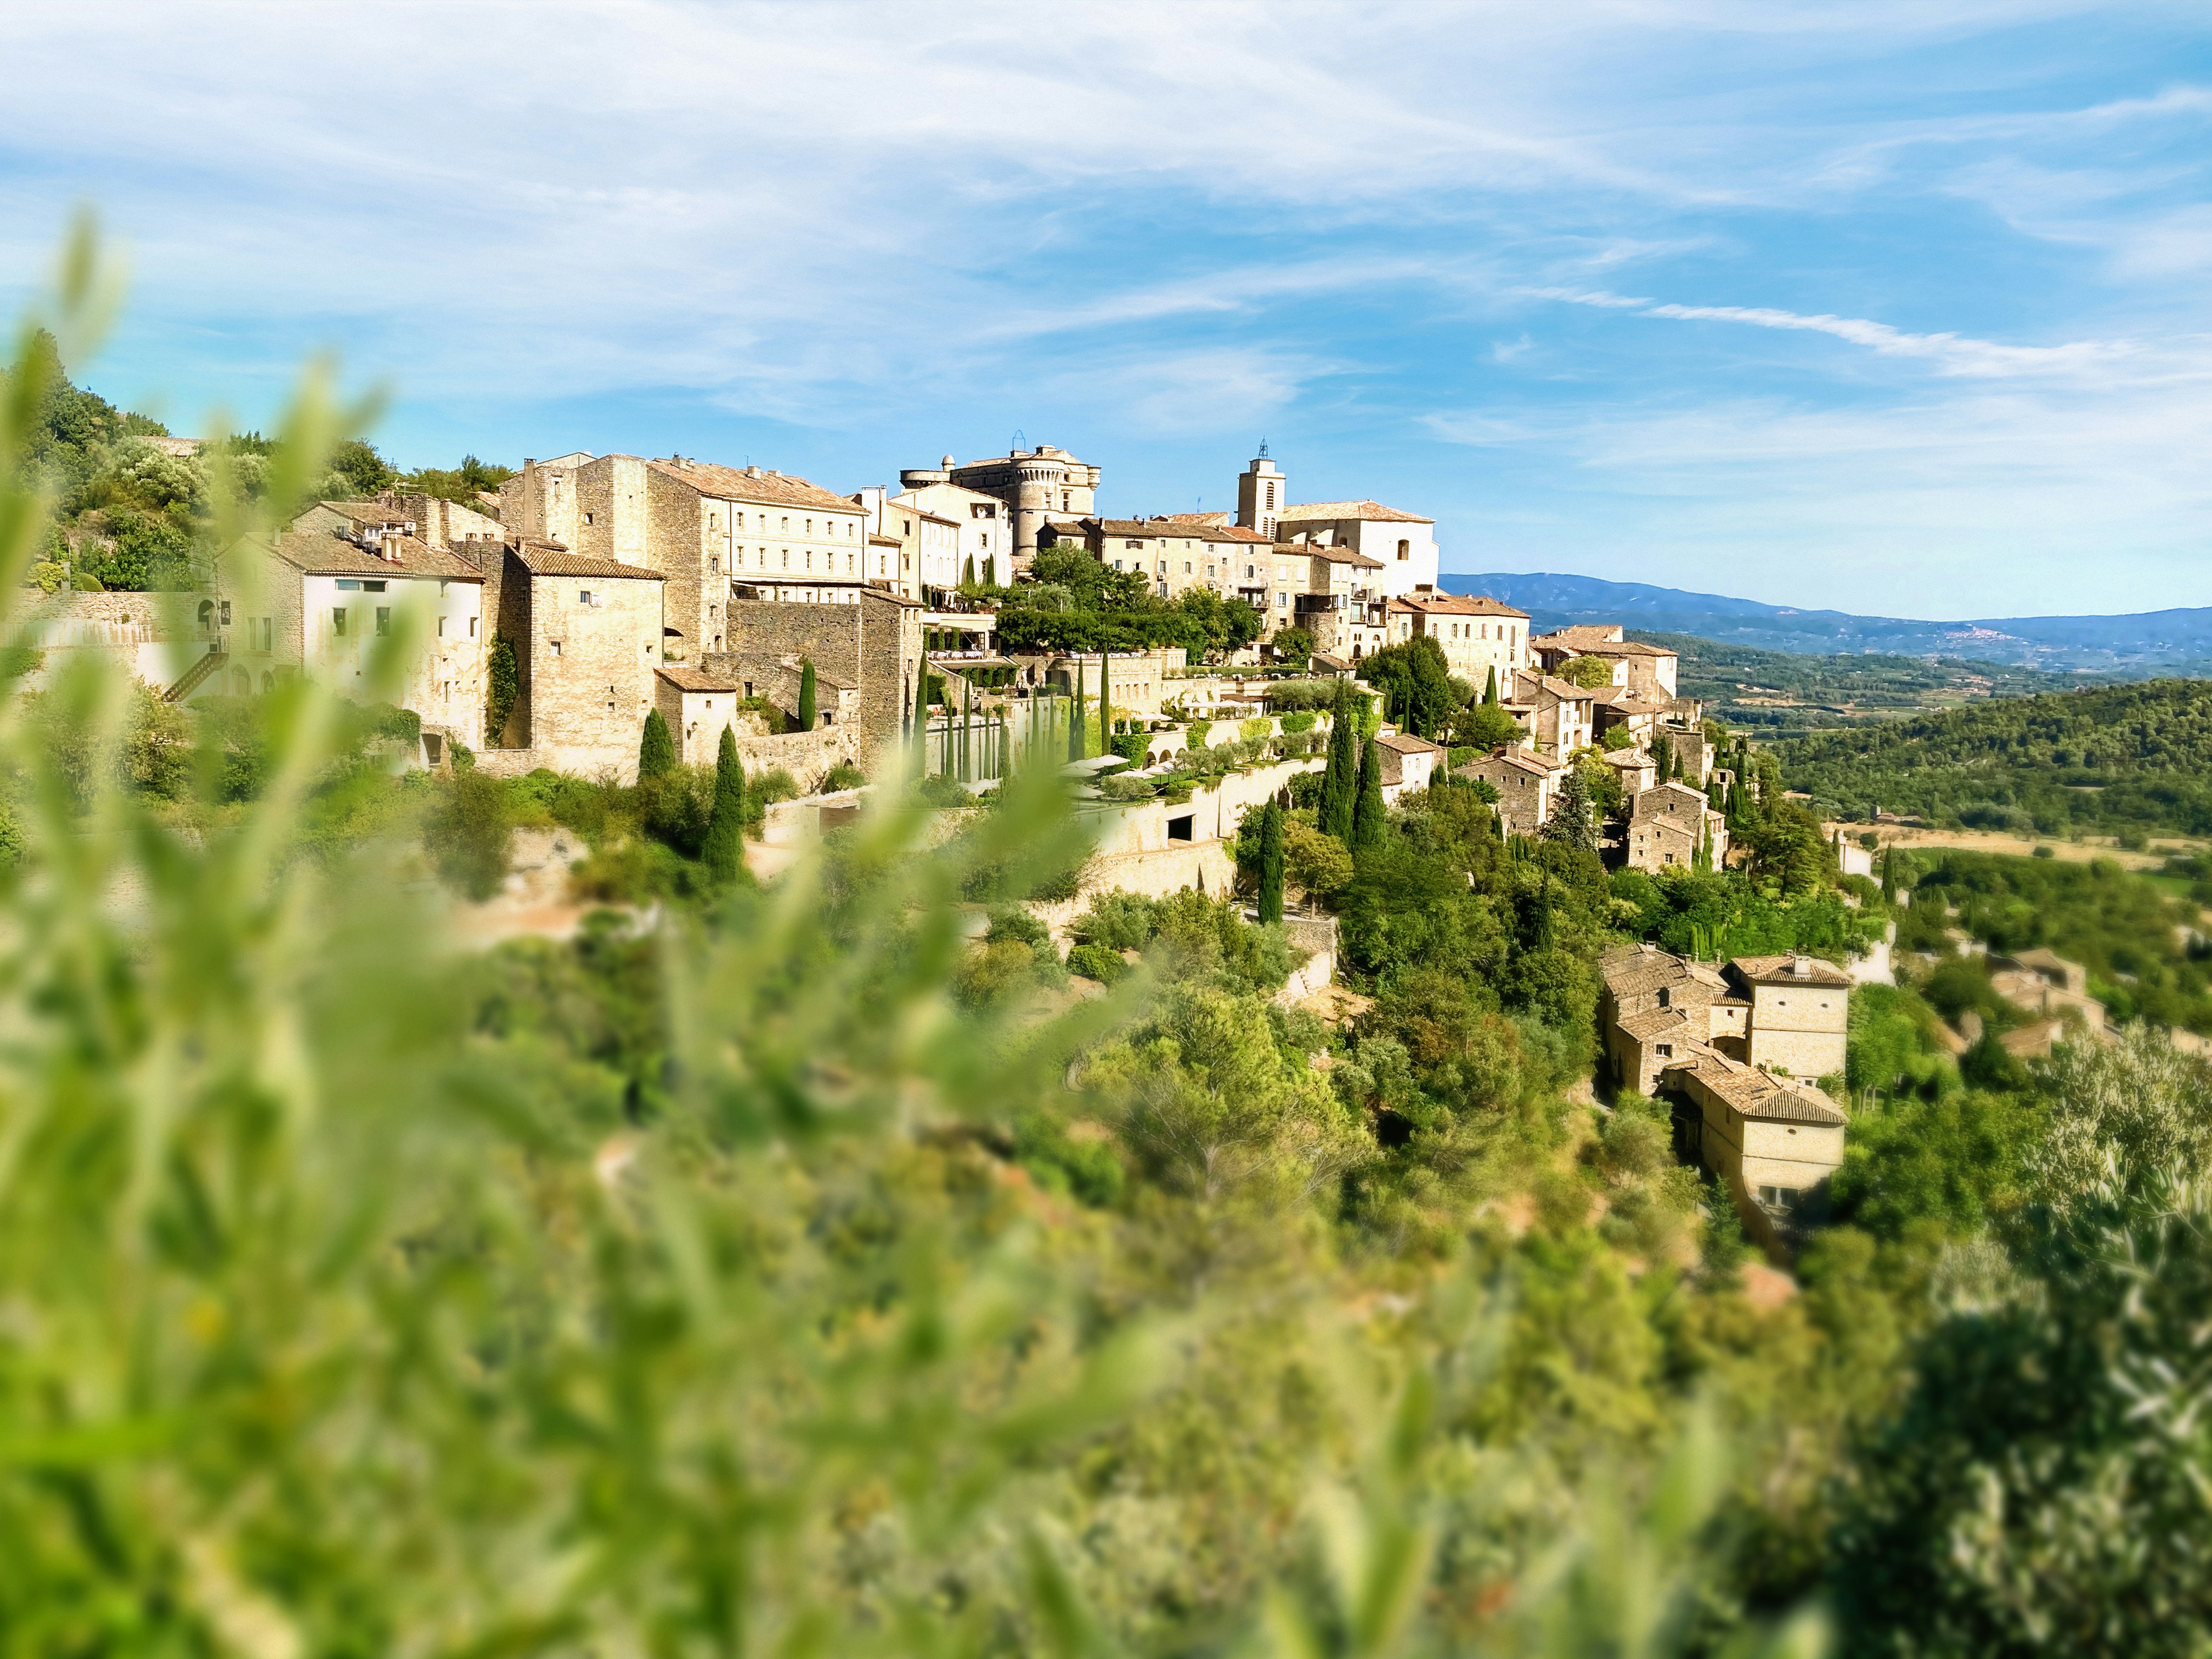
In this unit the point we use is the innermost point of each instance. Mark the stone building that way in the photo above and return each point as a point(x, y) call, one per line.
point(872, 644)
point(1559, 717)
point(1772, 1143)
point(713, 532)
point(1634, 770)
point(1174, 555)
point(1647, 670)
point(1408, 763)
point(1525, 783)
point(1480, 637)
point(1033, 485)
point(982, 533)
point(927, 560)
point(1263, 493)
point(1664, 825)
point(699, 707)
point(1799, 1009)
point(588, 634)
point(332, 589)
point(1403, 543)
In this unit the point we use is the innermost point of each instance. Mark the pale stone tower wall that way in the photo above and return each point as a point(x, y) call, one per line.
point(1263, 492)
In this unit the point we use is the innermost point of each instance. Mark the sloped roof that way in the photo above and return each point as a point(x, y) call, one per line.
point(1626, 758)
point(1780, 970)
point(1407, 743)
point(1662, 796)
point(1655, 1022)
point(692, 679)
point(552, 559)
point(751, 483)
point(1519, 758)
point(1758, 1096)
point(1306, 511)
point(315, 543)
point(1456, 605)
point(1333, 555)
point(1566, 691)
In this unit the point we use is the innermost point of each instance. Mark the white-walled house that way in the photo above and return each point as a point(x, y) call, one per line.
point(334, 588)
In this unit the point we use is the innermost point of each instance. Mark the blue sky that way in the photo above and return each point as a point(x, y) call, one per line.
point(1900, 308)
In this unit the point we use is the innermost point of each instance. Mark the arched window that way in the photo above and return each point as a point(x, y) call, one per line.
point(207, 615)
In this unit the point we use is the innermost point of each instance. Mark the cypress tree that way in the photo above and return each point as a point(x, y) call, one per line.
point(806, 694)
point(922, 715)
point(991, 571)
point(656, 750)
point(1664, 771)
point(1490, 691)
point(725, 828)
point(1105, 702)
point(1076, 724)
point(1271, 863)
point(1369, 816)
point(1889, 875)
point(967, 573)
point(1340, 784)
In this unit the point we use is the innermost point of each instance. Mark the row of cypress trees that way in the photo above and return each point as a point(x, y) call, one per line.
point(724, 848)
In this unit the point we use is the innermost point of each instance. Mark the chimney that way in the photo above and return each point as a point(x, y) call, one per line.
point(388, 546)
point(1802, 967)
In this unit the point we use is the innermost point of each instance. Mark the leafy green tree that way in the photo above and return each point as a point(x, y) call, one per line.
point(1340, 787)
point(1485, 727)
point(1318, 863)
point(724, 848)
point(656, 750)
point(2047, 1485)
point(358, 472)
point(1416, 683)
point(1293, 645)
point(1571, 824)
point(502, 686)
point(1370, 817)
point(806, 694)
point(468, 833)
point(1588, 672)
point(1270, 862)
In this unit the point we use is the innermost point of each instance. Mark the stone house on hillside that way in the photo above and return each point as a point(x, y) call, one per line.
point(586, 633)
point(713, 532)
point(1774, 1144)
point(1664, 825)
point(1559, 717)
point(983, 531)
point(1174, 555)
point(699, 707)
point(1408, 763)
point(334, 588)
point(1480, 637)
point(870, 645)
point(1526, 785)
point(1649, 671)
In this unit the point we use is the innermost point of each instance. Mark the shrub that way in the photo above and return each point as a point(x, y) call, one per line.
point(773, 785)
point(1096, 962)
point(843, 775)
point(466, 833)
point(1124, 788)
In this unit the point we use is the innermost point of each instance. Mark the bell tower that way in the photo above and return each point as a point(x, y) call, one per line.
point(1261, 495)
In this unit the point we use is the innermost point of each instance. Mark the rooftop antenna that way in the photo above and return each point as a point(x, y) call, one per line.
point(1263, 449)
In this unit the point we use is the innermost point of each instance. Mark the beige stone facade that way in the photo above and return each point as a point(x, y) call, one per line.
point(587, 638)
point(1174, 555)
point(1774, 1145)
point(1480, 637)
point(1558, 716)
point(1035, 485)
point(698, 708)
point(327, 598)
point(1525, 782)
point(1664, 825)
point(1649, 671)
point(1799, 1009)
point(1409, 763)
point(872, 644)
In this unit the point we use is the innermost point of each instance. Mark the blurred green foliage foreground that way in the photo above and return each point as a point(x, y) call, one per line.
point(361, 1296)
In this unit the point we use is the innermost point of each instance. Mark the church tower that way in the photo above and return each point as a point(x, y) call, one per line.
point(1261, 495)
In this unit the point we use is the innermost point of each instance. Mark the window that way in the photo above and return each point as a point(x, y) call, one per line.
point(1135, 544)
point(441, 628)
point(1405, 550)
point(1664, 1050)
point(1666, 996)
point(1271, 497)
point(784, 525)
point(337, 622)
point(810, 527)
point(372, 588)
point(473, 628)
point(383, 620)
point(587, 518)
point(348, 584)
point(583, 596)
point(1282, 601)
point(786, 558)
point(226, 622)
point(555, 645)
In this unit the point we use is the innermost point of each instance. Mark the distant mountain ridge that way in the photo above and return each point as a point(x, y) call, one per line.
point(2140, 645)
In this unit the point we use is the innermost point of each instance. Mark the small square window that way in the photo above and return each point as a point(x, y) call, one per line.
point(554, 645)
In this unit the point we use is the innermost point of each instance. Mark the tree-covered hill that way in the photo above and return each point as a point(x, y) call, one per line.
point(1783, 693)
point(2111, 758)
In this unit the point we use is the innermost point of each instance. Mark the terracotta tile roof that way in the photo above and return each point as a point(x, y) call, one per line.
point(315, 543)
point(1757, 1095)
point(1332, 555)
point(1183, 529)
point(1626, 758)
point(1641, 968)
point(1306, 512)
point(1211, 520)
point(552, 559)
point(1335, 665)
point(1566, 691)
point(1578, 637)
point(1456, 605)
point(1564, 640)
point(1781, 970)
point(1407, 743)
point(1519, 758)
point(1667, 797)
point(691, 679)
point(1655, 1022)
point(752, 484)
point(885, 541)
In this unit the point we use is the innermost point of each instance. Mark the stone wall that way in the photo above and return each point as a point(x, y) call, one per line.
point(875, 645)
point(588, 697)
point(807, 756)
